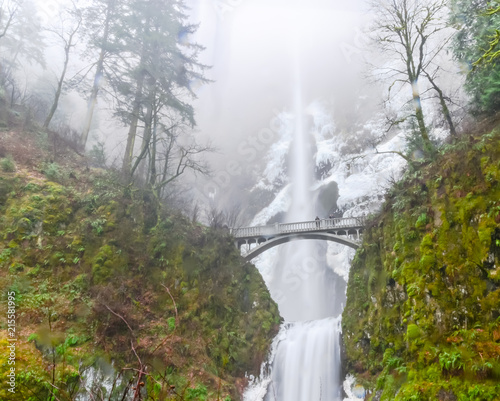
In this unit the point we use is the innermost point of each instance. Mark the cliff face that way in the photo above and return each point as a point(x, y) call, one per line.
point(422, 319)
point(108, 285)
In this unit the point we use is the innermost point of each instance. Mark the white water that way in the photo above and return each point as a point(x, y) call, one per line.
point(306, 359)
point(360, 189)
point(306, 365)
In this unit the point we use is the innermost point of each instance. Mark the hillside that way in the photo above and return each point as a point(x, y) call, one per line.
point(114, 294)
point(422, 319)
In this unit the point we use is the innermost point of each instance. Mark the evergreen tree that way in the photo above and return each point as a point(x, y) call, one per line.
point(493, 52)
point(476, 29)
point(8, 11)
point(20, 43)
point(154, 85)
point(20, 33)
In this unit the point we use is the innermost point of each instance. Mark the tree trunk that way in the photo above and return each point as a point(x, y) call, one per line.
point(152, 162)
point(147, 131)
point(98, 76)
point(444, 107)
point(92, 101)
point(419, 114)
point(132, 132)
point(59, 86)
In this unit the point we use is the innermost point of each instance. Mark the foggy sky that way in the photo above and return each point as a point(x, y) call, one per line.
point(250, 45)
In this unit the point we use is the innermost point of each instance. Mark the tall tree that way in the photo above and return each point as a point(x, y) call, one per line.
point(477, 25)
point(101, 20)
point(156, 81)
point(21, 43)
point(20, 33)
point(69, 25)
point(493, 52)
point(8, 11)
point(410, 32)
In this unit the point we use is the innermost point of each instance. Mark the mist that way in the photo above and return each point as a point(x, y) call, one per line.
point(249, 46)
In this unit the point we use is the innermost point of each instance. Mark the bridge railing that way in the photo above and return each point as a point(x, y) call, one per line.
point(303, 226)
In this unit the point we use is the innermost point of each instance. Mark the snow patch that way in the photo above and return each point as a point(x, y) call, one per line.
point(281, 203)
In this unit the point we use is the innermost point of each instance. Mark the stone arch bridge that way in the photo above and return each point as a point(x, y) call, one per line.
point(345, 231)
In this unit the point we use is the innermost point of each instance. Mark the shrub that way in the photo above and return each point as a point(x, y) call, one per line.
point(450, 360)
point(7, 164)
point(97, 155)
point(52, 171)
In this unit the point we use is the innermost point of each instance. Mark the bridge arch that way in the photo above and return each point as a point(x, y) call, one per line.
point(264, 246)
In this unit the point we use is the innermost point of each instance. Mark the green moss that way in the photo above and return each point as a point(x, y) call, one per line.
point(89, 273)
point(107, 262)
point(413, 332)
point(435, 329)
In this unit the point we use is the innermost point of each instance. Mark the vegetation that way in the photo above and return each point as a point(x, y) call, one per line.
point(477, 23)
point(141, 62)
point(422, 317)
point(116, 296)
point(407, 31)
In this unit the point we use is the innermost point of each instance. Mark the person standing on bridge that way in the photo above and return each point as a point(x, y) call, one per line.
point(317, 222)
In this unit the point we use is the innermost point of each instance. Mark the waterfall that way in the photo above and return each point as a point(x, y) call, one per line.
point(305, 362)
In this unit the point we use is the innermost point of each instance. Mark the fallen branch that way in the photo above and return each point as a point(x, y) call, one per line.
point(175, 306)
point(121, 317)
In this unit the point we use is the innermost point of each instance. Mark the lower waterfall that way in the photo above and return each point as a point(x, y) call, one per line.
point(306, 365)
point(305, 361)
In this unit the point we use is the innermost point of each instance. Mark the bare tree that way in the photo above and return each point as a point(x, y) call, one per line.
point(20, 38)
point(168, 150)
point(215, 217)
point(177, 160)
point(8, 10)
point(101, 39)
point(233, 216)
point(67, 35)
point(442, 101)
point(412, 33)
point(229, 217)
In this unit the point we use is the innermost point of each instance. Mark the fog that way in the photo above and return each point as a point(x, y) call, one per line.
point(250, 49)
point(249, 46)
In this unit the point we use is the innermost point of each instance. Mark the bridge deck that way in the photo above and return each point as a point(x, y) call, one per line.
point(349, 223)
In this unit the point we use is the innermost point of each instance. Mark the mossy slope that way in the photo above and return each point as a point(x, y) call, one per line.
point(422, 320)
point(105, 281)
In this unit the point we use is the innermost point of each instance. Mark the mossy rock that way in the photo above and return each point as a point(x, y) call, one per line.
point(446, 267)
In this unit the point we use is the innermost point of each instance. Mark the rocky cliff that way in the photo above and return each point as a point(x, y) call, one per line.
point(422, 319)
